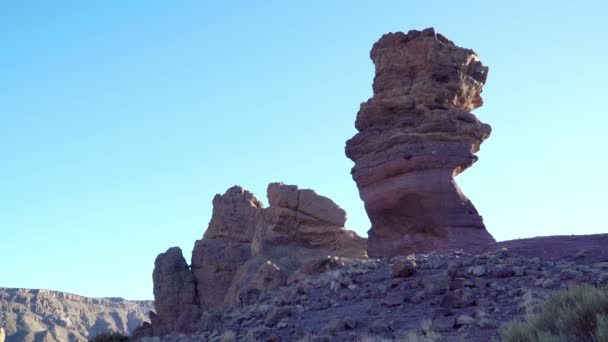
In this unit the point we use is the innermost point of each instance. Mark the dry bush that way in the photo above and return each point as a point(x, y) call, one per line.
point(580, 314)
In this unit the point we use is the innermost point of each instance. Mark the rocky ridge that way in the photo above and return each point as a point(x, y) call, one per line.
point(415, 135)
point(52, 316)
point(448, 295)
point(247, 250)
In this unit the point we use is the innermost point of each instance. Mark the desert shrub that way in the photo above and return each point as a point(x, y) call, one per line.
point(110, 337)
point(580, 314)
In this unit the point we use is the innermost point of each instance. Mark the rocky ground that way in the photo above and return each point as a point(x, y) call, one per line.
point(459, 296)
point(49, 316)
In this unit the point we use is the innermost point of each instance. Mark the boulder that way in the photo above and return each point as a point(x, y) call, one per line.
point(415, 135)
point(404, 267)
point(176, 302)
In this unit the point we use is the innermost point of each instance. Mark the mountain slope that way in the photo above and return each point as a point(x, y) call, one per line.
point(52, 316)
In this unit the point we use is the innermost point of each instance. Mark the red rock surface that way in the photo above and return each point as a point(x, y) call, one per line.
point(415, 135)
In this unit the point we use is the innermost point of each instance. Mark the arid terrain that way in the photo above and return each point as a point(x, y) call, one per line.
point(49, 316)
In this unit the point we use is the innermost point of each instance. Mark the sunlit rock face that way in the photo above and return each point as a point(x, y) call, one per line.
point(415, 135)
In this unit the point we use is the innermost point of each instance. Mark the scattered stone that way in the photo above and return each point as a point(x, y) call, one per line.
point(568, 274)
point(457, 299)
point(548, 283)
point(379, 327)
point(350, 323)
point(443, 324)
point(518, 270)
point(393, 299)
point(478, 270)
point(502, 271)
point(275, 315)
point(403, 268)
point(464, 320)
point(335, 326)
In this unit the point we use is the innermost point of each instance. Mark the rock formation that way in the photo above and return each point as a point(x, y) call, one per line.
point(302, 221)
point(52, 316)
point(176, 302)
point(226, 245)
point(415, 135)
point(246, 251)
point(437, 296)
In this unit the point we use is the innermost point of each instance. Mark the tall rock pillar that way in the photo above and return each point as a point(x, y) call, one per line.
point(415, 135)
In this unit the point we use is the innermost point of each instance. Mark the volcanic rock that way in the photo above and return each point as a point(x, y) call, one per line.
point(300, 221)
point(176, 302)
point(415, 135)
point(226, 245)
point(248, 250)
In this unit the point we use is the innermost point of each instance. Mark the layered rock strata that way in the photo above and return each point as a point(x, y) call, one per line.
point(247, 250)
point(415, 135)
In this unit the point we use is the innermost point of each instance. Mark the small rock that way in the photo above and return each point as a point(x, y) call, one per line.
point(601, 265)
point(443, 324)
point(350, 323)
point(486, 323)
point(379, 327)
point(404, 267)
point(335, 326)
point(275, 315)
point(478, 270)
point(502, 271)
point(484, 302)
point(464, 320)
point(393, 299)
point(481, 283)
point(417, 298)
point(274, 338)
point(581, 254)
point(568, 274)
point(548, 283)
point(457, 299)
point(322, 305)
point(518, 271)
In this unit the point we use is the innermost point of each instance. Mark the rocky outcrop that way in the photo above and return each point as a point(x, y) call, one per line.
point(248, 250)
point(176, 302)
point(299, 221)
point(226, 245)
point(415, 135)
point(43, 315)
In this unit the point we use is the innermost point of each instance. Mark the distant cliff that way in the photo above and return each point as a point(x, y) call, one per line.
point(52, 316)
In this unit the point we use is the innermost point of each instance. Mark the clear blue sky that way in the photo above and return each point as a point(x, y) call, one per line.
point(120, 120)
